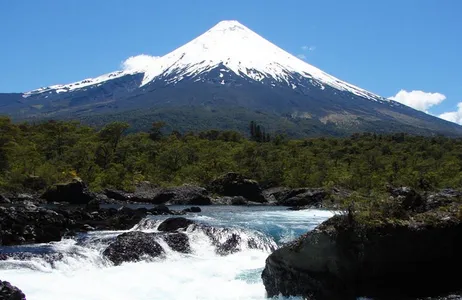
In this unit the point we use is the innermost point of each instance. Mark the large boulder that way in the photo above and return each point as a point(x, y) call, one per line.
point(74, 192)
point(27, 223)
point(10, 292)
point(346, 258)
point(183, 195)
point(275, 194)
point(173, 224)
point(133, 246)
point(233, 184)
point(137, 245)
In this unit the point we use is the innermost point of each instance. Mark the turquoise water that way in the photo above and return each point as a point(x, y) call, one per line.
point(83, 273)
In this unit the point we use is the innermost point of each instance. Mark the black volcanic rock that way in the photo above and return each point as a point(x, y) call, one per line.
point(183, 195)
point(173, 224)
point(74, 192)
point(10, 292)
point(25, 224)
point(233, 184)
point(133, 246)
point(346, 258)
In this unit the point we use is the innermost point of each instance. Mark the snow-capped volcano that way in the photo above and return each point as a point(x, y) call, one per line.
point(238, 49)
point(224, 78)
point(231, 44)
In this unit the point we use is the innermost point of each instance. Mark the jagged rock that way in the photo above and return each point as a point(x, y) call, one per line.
point(24, 224)
point(173, 224)
point(74, 192)
point(133, 246)
point(10, 292)
point(233, 184)
point(145, 192)
point(345, 259)
point(275, 194)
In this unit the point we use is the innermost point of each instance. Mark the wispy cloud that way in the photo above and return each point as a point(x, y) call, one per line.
point(301, 56)
point(419, 100)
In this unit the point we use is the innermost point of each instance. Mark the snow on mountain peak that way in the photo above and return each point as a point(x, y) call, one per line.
point(245, 53)
point(228, 43)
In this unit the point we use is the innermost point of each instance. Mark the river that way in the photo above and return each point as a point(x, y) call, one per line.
point(82, 273)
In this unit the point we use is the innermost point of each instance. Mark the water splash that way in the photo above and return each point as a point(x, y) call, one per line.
point(83, 273)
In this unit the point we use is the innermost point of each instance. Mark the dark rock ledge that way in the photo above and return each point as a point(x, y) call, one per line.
point(414, 256)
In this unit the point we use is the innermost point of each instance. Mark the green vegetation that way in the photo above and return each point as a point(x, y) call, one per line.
point(56, 151)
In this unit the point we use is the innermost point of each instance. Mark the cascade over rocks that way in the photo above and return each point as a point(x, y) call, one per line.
point(10, 292)
point(234, 184)
point(348, 257)
point(74, 192)
point(26, 223)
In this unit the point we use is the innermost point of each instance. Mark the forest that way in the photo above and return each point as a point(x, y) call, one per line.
point(42, 154)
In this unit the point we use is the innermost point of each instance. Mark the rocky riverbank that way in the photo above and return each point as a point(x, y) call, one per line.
point(408, 248)
point(229, 189)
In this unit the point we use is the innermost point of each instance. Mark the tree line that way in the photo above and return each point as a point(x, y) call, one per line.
point(56, 151)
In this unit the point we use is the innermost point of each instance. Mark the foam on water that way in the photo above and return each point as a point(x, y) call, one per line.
point(83, 273)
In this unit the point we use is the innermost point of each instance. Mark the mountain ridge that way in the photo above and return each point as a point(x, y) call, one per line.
point(228, 66)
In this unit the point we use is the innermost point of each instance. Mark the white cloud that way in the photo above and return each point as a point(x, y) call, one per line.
point(453, 116)
point(139, 62)
point(419, 100)
point(301, 56)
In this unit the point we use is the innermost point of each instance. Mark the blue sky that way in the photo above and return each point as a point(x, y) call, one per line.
point(381, 46)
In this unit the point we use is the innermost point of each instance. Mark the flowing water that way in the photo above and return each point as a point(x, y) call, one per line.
point(74, 269)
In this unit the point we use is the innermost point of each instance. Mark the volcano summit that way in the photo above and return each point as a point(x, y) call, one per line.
point(223, 79)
